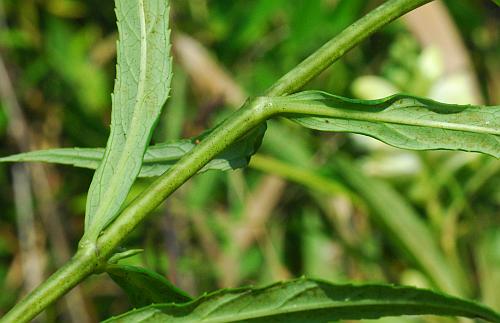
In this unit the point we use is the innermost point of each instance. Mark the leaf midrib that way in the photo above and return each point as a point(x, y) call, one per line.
point(131, 132)
point(336, 305)
point(316, 110)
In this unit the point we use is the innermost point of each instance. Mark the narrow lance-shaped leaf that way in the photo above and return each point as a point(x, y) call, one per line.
point(157, 159)
point(141, 88)
point(402, 121)
point(308, 300)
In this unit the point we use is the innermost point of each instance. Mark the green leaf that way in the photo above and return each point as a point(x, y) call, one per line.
point(402, 121)
point(402, 224)
point(157, 159)
point(79, 157)
point(141, 88)
point(308, 300)
point(145, 287)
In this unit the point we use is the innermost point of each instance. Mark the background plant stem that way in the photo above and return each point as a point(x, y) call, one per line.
point(87, 260)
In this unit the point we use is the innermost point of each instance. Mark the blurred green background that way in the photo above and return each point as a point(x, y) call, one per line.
point(334, 206)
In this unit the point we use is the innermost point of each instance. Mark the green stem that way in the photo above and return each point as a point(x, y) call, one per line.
point(239, 123)
point(68, 276)
point(342, 43)
point(89, 259)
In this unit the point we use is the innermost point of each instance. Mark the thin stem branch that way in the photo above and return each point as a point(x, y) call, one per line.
point(90, 259)
point(68, 276)
point(253, 114)
point(342, 43)
point(239, 123)
point(87, 260)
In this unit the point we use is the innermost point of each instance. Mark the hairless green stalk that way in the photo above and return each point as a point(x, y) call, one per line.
point(89, 260)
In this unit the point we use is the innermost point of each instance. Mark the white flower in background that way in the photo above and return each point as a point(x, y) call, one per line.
point(454, 88)
point(370, 87)
point(428, 79)
point(430, 63)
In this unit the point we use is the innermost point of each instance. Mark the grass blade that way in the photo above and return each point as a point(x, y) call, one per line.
point(403, 225)
point(309, 300)
point(487, 254)
point(402, 121)
point(141, 88)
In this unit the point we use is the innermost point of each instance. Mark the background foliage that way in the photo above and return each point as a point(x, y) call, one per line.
point(320, 205)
